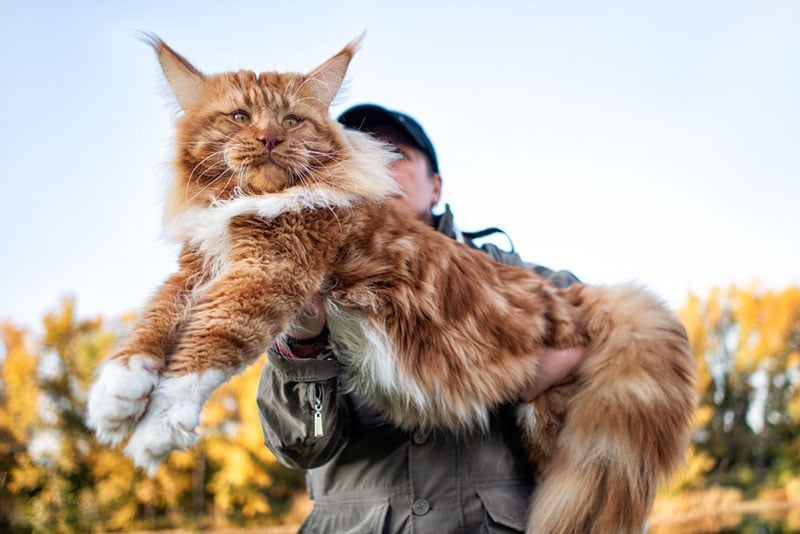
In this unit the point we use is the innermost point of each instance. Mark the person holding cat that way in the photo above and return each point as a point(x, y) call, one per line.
point(364, 474)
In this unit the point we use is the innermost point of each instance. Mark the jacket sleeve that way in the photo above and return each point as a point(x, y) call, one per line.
point(302, 417)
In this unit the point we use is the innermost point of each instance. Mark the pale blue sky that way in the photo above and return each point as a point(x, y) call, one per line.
point(655, 141)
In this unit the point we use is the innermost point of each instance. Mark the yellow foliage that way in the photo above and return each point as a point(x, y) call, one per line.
point(86, 486)
point(712, 510)
point(735, 333)
point(766, 322)
point(26, 475)
point(234, 444)
point(183, 460)
point(115, 482)
point(697, 464)
point(19, 403)
point(703, 415)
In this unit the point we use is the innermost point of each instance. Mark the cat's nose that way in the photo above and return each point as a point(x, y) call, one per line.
point(270, 142)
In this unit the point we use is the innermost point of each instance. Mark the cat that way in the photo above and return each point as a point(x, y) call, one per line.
point(275, 202)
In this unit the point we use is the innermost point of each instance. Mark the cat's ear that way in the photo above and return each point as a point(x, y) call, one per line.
point(185, 81)
point(323, 83)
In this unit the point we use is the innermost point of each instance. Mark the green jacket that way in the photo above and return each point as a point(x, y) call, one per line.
point(366, 476)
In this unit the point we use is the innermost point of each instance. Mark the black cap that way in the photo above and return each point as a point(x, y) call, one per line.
point(369, 117)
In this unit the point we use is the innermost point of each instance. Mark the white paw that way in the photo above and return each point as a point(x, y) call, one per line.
point(172, 418)
point(119, 397)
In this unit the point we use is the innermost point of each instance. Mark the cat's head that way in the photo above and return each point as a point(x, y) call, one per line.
point(248, 134)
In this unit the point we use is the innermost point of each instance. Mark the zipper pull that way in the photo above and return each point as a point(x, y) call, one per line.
point(318, 429)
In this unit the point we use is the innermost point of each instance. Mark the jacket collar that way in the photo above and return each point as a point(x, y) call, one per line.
point(444, 222)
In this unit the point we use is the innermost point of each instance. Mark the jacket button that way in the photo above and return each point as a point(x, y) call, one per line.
point(419, 437)
point(420, 507)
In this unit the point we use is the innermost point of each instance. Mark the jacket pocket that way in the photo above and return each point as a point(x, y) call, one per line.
point(363, 517)
point(506, 507)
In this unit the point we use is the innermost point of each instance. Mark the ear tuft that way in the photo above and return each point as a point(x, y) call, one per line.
point(324, 82)
point(185, 81)
point(355, 44)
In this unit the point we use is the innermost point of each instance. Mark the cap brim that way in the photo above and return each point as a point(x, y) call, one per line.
point(371, 117)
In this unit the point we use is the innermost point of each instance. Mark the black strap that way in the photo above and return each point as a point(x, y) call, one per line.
point(487, 232)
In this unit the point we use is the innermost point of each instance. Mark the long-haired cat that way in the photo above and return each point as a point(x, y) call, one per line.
point(275, 202)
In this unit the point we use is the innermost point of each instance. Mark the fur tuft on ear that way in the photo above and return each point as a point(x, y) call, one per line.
point(324, 82)
point(185, 81)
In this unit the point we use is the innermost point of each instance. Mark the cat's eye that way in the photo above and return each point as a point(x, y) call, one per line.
point(240, 116)
point(291, 122)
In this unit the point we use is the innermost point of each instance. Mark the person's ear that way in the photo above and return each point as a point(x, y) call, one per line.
point(437, 189)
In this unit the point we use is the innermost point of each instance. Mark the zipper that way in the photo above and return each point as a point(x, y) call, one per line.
point(317, 406)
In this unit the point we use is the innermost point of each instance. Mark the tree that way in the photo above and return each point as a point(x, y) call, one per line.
point(746, 344)
point(58, 478)
point(245, 478)
point(18, 413)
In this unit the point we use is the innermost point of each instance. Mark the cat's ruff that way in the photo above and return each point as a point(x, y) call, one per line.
point(207, 228)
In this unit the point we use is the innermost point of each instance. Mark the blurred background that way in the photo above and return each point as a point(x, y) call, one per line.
point(655, 142)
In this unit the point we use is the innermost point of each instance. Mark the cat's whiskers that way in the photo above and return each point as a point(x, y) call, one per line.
point(210, 172)
point(200, 143)
point(206, 187)
point(198, 177)
point(239, 189)
point(313, 177)
point(200, 163)
point(329, 159)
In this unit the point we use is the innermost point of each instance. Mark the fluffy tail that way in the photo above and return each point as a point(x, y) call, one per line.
point(628, 423)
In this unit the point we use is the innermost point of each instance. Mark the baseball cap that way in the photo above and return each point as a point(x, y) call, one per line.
point(368, 117)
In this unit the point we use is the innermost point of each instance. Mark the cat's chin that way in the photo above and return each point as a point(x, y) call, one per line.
point(266, 179)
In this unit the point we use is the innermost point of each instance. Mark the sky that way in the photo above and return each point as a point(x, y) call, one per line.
point(656, 142)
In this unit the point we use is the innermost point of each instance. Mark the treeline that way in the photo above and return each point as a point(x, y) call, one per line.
point(56, 478)
point(747, 346)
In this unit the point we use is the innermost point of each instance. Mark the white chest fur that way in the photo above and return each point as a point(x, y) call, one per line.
point(207, 228)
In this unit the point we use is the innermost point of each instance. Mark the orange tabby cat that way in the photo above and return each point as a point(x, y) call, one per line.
point(275, 202)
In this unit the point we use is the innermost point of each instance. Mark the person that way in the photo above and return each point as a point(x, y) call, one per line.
point(363, 474)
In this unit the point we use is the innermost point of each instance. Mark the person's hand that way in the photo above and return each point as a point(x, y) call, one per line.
point(304, 336)
point(311, 320)
point(558, 367)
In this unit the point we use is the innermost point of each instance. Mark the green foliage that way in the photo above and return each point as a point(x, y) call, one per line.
point(57, 478)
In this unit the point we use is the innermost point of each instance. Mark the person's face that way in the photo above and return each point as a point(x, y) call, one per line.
point(421, 190)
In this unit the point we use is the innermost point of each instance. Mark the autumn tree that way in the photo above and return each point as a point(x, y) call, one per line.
point(58, 478)
point(245, 478)
point(747, 345)
point(18, 414)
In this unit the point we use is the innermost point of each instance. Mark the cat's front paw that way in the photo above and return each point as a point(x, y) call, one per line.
point(172, 418)
point(119, 397)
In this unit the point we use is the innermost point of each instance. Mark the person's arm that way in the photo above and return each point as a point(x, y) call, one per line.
point(303, 421)
point(558, 365)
